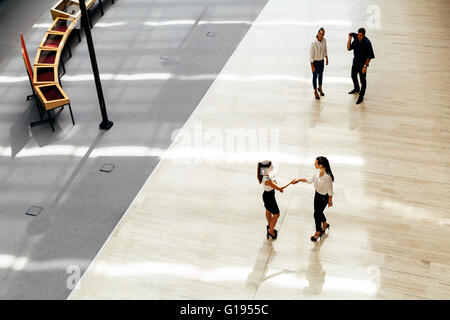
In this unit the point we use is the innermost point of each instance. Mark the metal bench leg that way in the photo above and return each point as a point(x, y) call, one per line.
point(101, 7)
point(71, 114)
point(79, 35)
point(90, 20)
point(51, 120)
point(40, 108)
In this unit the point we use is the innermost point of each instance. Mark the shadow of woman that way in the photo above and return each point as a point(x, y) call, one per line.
point(265, 256)
point(315, 275)
point(316, 108)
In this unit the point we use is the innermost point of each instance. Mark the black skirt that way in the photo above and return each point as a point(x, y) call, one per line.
point(269, 202)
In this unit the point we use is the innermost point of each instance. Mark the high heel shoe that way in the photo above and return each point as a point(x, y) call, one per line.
point(274, 230)
point(327, 227)
point(273, 237)
point(316, 95)
point(315, 239)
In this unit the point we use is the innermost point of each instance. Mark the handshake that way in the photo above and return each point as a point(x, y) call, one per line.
point(294, 181)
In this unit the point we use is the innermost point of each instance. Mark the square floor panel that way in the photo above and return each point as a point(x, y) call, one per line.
point(34, 211)
point(107, 168)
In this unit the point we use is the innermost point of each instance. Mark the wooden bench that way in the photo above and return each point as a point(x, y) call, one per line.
point(47, 93)
point(44, 75)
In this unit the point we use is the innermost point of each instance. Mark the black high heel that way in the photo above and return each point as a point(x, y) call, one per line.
point(327, 227)
point(315, 239)
point(273, 237)
point(274, 230)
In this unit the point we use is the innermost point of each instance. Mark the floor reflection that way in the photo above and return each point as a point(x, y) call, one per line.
point(315, 275)
point(260, 269)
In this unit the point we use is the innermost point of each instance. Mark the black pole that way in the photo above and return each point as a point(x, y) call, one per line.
point(105, 124)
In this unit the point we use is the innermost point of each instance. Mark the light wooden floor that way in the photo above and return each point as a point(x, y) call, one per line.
point(197, 228)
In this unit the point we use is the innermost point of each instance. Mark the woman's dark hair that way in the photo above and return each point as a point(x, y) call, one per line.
point(321, 29)
point(263, 164)
point(362, 30)
point(324, 162)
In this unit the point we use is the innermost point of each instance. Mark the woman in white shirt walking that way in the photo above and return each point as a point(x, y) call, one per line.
point(318, 52)
point(265, 176)
point(323, 184)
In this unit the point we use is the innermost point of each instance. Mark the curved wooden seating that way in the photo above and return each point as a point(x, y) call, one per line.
point(48, 95)
point(44, 75)
point(58, 33)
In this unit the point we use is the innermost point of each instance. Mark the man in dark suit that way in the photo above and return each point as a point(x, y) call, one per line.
point(363, 53)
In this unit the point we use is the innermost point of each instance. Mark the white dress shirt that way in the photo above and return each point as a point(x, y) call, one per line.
point(265, 178)
point(322, 184)
point(318, 50)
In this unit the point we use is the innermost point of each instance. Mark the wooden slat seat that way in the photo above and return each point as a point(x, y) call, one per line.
point(45, 74)
point(46, 56)
point(52, 40)
point(62, 24)
point(52, 96)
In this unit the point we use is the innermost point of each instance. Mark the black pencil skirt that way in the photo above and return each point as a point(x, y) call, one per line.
point(269, 202)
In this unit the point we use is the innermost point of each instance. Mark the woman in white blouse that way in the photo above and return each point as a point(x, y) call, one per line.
point(267, 179)
point(318, 52)
point(323, 184)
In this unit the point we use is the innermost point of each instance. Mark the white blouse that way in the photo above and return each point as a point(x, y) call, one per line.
point(318, 50)
point(266, 187)
point(322, 184)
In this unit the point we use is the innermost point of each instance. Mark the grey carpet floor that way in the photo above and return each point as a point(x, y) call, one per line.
point(157, 62)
